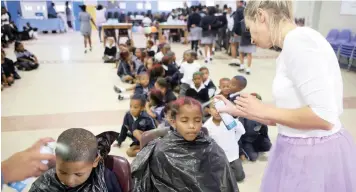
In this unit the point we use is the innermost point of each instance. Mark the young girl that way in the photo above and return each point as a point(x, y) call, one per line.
point(138, 58)
point(85, 26)
point(25, 59)
point(126, 70)
point(155, 105)
point(185, 158)
point(188, 68)
point(246, 47)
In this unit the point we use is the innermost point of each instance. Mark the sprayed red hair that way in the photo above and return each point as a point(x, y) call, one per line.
point(181, 101)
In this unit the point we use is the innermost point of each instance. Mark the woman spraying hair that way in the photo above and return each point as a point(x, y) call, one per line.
point(313, 152)
point(85, 27)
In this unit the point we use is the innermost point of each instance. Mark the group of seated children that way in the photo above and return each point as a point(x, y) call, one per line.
point(25, 61)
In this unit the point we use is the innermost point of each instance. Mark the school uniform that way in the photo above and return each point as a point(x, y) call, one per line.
point(169, 97)
point(27, 65)
point(245, 45)
point(139, 89)
point(138, 63)
point(228, 141)
point(124, 70)
point(172, 74)
point(209, 84)
point(208, 35)
point(8, 67)
point(141, 69)
point(201, 94)
point(187, 69)
point(143, 123)
point(238, 17)
point(158, 110)
point(233, 96)
point(194, 32)
point(110, 53)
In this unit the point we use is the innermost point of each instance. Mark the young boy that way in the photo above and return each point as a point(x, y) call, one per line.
point(136, 121)
point(255, 140)
point(209, 84)
point(197, 89)
point(142, 87)
point(227, 140)
point(187, 69)
point(224, 86)
point(79, 167)
point(171, 71)
point(237, 84)
point(163, 85)
point(110, 51)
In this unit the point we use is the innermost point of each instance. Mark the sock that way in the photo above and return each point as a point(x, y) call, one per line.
point(248, 69)
point(213, 49)
point(126, 96)
point(242, 66)
point(122, 89)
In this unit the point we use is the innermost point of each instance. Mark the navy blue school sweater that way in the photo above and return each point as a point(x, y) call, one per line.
point(139, 89)
point(169, 97)
point(143, 123)
point(124, 69)
point(201, 94)
point(253, 130)
point(172, 74)
point(211, 87)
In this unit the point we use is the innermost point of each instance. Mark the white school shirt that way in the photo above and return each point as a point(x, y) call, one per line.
point(159, 56)
point(308, 74)
point(226, 139)
point(146, 22)
point(100, 17)
point(188, 69)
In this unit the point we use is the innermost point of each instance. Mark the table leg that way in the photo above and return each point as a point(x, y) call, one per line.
point(185, 36)
point(159, 33)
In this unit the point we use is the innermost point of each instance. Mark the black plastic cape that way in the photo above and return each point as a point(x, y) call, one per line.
point(49, 181)
point(172, 164)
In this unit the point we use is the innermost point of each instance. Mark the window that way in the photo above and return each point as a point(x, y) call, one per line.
point(168, 5)
point(30, 9)
point(139, 6)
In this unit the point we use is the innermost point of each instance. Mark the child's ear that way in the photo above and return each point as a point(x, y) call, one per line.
point(96, 161)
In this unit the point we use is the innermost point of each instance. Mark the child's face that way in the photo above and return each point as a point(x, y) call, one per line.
point(111, 42)
point(73, 174)
point(135, 107)
point(205, 74)
point(224, 87)
point(197, 79)
point(161, 89)
point(186, 57)
point(214, 113)
point(138, 53)
point(188, 121)
point(144, 80)
point(20, 47)
point(234, 86)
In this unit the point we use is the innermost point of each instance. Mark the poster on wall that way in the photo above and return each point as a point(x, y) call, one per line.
point(348, 7)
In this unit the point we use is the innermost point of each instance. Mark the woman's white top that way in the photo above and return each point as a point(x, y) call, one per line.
point(100, 17)
point(188, 69)
point(226, 139)
point(308, 74)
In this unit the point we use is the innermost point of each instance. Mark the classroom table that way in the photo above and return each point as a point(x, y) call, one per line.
point(118, 26)
point(182, 26)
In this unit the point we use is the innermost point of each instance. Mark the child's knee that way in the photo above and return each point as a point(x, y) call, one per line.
point(133, 150)
point(10, 79)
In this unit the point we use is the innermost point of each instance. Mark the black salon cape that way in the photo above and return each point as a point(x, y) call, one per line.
point(98, 180)
point(172, 164)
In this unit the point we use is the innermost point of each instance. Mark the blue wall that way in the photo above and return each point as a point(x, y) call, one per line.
point(2, 4)
point(14, 8)
point(76, 11)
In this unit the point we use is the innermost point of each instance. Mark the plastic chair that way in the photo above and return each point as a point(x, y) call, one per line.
point(348, 50)
point(122, 169)
point(332, 35)
point(343, 37)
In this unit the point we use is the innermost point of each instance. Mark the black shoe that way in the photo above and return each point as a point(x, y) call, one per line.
point(117, 90)
point(211, 59)
point(201, 53)
point(234, 64)
point(120, 98)
point(16, 75)
point(241, 70)
point(206, 61)
point(248, 72)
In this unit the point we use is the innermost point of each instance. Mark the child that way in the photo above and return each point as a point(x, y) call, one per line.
point(185, 159)
point(150, 46)
point(227, 140)
point(126, 69)
point(188, 68)
point(25, 59)
point(209, 84)
point(246, 47)
point(197, 89)
point(224, 86)
point(110, 51)
point(9, 66)
point(256, 139)
point(136, 121)
point(171, 70)
point(167, 117)
point(158, 57)
point(7, 79)
point(79, 164)
point(156, 72)
point(138, 58)
point(142, 87)
point(155, 105)
point(146, 21)
point(163, 85)
point(237, 84)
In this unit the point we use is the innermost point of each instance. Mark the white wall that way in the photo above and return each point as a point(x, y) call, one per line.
point(330, 18)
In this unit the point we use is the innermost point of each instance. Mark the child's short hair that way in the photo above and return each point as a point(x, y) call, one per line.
point(78, 145)
point(166, 60)
point(184, 101)
point(170, 54)
point(203, 69)
point(156, 96)
point(156, 71)
point(224, 79)
point(162, 82)
point(151, 53)
point(132, 50)
point(198, 73)
point(257, 96)
point(150, 42)
point(168, 107)
point(139, 97)
point(242, 81)
point(194, 54)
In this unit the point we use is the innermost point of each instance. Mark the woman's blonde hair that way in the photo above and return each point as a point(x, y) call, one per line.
point(279, 11)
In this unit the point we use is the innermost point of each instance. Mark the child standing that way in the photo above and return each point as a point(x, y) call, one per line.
point(188, 68)
point(209, 84)
point(227, 140)
point(197, 89)
point(246, 47)
point(185, 158)
point(224, 86)
point(136, 121)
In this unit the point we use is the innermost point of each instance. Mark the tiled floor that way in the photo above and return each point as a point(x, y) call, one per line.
point(73, 89)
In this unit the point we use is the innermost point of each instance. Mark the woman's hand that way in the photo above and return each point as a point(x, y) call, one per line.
point(229, 108)
point(251, 106)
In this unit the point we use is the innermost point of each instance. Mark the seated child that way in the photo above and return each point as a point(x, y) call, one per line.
point(188, 68)
point(197, 89)
point(224, 86)
point(255, 140)
point(7, 79)
point(237, 84)
point(25, 59)
point(163, 85)
point(183, 159)
point(167, 120)
point(171, 71)
point(209, 84)
point(126, 70)
point(163, 52)
point(9, 66)
point(79, 165)
point(150, 46)
point(227, 140)
point(155, 105)
point(138, 58)
point(110, 51)
point(136, 121)
point(142, 87)
point(147, 65)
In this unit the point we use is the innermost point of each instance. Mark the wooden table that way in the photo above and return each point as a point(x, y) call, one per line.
point(173, 26)
point(118, 26)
